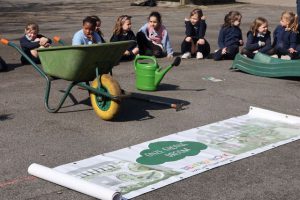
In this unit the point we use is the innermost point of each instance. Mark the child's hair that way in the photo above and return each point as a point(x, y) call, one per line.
point(231, 17)
point(198, 12)
point(97, 19)
point(119, 23)
point(31, 26)
point(256, 24)
point(292, 19)
point(157, 15)
point(90, 20)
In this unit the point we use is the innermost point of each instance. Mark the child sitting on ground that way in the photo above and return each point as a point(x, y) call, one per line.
point(153, 38)
point(87, 34)
point(98, 26)
point(194, 42)
point(258, 38)
point(230, 37)
point(31, 41)
point(285, 36)
point(123, 32)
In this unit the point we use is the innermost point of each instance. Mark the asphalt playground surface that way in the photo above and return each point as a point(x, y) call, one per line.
point(29, 134)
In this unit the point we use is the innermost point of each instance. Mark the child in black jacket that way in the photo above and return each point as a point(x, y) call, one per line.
point(123, 32)
point(230, 37)
point(285, 36)
point(258, 38)
point(194, 42)
point(31, 41)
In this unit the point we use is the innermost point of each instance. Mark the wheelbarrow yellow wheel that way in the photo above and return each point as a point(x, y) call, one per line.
point(105, 107)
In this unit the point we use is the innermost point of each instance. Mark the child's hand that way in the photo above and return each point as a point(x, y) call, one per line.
point(170, 56)
point(91, 38)
point(47, 45)
point(43, 41)
point(260, 43)
point(126, 53)
point(224, 50)
point(292, 50)
point(201, 41)
point(188, 39)
point(241, 42)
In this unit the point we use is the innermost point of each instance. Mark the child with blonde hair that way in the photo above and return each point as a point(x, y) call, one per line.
point(194, 41)
point(230, 37)
point(285, 36)
point(258, 38)
point(153, 38)
point(122, 32)
point(31, 41)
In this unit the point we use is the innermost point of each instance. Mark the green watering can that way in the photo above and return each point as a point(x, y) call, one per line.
point(148, 73)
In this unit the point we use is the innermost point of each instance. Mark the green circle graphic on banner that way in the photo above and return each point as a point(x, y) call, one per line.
point(169, 151)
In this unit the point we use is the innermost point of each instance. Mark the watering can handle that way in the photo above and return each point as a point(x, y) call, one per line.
point(142, 57)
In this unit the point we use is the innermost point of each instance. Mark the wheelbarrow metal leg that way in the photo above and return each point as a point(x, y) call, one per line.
point(47, 94)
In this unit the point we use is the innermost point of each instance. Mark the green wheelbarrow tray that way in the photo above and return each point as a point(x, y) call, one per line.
point(78, 63)
point(267, 66)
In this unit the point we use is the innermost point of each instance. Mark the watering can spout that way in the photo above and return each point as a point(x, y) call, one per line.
point(160, 73)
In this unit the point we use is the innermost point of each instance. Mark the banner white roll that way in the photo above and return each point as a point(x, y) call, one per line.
point(73, 183)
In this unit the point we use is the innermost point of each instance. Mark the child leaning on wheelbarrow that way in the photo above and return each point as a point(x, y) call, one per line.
point(31, 41)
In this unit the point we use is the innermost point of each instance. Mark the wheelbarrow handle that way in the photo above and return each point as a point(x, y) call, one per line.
point(58, 40)
point(4, 41)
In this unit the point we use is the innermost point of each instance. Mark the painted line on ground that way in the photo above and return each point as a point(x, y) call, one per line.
point(16, 181)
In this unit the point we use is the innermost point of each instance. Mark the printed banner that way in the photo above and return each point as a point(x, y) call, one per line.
point(144, 167)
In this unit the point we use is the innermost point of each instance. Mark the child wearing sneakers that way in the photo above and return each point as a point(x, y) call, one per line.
point(258, 38)
point(194, 41)
point(230, 37)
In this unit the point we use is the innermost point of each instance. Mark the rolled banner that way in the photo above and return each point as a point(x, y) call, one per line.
point(73, 183)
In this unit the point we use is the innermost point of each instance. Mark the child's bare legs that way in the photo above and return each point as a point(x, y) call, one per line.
point(135, 51)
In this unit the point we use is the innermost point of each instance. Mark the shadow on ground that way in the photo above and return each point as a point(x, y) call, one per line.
point(137, 107)
point(4, 117)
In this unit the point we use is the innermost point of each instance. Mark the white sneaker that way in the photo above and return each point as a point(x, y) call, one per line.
point(286, 57)
point(274, 56)
point(186, 55)
point(199, 55)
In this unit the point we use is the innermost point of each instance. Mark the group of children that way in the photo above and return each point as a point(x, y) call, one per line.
point(153, 39)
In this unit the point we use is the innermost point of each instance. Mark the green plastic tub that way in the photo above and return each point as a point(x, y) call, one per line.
point(78, 63)
point(266, 66)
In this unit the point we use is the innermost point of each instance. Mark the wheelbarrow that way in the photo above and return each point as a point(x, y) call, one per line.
point(80, 65)
point(84, 64)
